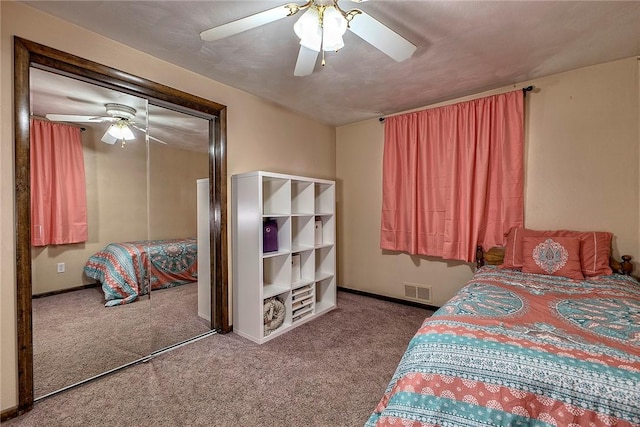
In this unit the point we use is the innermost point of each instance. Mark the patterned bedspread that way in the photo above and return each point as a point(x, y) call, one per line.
point(518, 349)
point(127, 270)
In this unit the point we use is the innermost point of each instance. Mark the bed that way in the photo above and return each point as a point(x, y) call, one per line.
point(128, 270)
point(522, 348)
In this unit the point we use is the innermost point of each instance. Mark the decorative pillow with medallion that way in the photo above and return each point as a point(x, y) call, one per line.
point(555, 256)
point(595, 248)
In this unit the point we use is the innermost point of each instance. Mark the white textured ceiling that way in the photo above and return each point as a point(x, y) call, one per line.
point(56, 94)
point(463, 48)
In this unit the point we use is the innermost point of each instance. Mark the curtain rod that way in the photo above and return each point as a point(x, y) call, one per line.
point(524, 93)
point(527, 89)
point(44, 119)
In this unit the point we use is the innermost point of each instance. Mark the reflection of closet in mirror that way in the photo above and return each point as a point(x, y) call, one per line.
point(138, 191)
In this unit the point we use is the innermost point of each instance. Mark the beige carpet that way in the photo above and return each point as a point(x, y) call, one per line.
point(76, 337)
point(331, 371)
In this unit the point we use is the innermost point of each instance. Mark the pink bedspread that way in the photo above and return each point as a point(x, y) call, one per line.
point(518, 349)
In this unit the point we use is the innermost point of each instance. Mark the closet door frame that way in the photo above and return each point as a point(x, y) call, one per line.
point(29, 54)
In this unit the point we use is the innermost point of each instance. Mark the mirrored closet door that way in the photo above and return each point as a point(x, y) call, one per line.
point(130, 288)
point(75, 336)
point(178, 158)
point(41, 268)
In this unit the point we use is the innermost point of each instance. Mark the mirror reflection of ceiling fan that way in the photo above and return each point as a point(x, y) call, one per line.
point(121, 118)
point(320, 28)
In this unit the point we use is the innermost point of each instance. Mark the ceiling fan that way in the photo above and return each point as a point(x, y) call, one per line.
point(121, 118)
point(320, 28)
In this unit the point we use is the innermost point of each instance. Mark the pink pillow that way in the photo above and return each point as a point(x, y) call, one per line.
point(513, 248)
point(595, 248)
point(556, 256)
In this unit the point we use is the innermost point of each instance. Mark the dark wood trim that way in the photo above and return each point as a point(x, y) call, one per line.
point(21, 111)
point(28, 54)
point(213, 250)
point(8, 414)
point(50, 58)
point(624, 266)
point(390, 299)
point(218, 223)
point(495, 256)
point(222, 255)
point(64, 291)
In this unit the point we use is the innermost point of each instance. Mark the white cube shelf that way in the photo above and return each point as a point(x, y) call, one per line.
point(296, 203)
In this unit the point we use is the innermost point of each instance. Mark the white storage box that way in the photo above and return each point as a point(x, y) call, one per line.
point(318, 231)
point(295, 268)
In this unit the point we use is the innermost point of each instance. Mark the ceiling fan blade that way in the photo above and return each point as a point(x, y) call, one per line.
point(158, 140)
point(73, 118)
point(306, 62)
point(244, 24)
point(381, 37)
point(150, 137)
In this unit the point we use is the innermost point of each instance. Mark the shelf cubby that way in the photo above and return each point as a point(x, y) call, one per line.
point(325, 200)
point(307, 269)
point(276, 196)
point(325, 292)
point(302, 197)
point(325, 263)
point(302, 234)
point(285, 298)
point(284, 234)
point(276, 271)
point(328, 232)
point(302, 302)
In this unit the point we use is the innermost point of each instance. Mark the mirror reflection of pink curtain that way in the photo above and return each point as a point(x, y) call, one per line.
point(58, 190)
point(453, 177)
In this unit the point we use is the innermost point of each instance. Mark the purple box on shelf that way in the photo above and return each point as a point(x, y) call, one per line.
point(270, 235)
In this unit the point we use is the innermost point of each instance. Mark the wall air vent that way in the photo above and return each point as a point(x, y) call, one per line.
point(417, 292)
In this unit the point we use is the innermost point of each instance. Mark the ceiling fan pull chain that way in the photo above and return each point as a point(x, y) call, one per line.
point(321, 17)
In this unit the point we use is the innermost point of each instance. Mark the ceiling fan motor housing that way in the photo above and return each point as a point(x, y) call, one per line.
point(120, 111)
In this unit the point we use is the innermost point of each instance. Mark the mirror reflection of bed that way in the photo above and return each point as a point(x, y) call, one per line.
point(144, 192)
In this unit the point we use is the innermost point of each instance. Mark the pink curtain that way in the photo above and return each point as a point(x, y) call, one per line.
point(58, 190)
point(453, 177)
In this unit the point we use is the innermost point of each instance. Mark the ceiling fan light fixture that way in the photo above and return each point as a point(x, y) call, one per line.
point(334, 25)
point(321, 28)
point(120, 130)
point(308, 29)
point(128, 133)
point(331, 42)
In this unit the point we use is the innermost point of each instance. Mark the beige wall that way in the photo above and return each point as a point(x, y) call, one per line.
point(582, 155)
point(260, 136)
point(118, 189)
point(172, 191)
